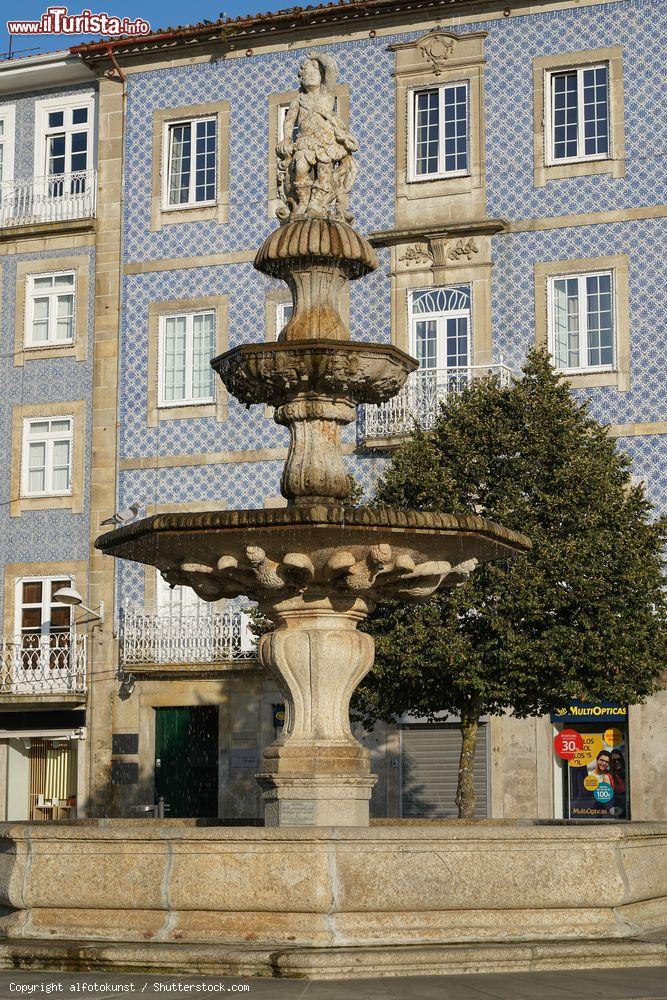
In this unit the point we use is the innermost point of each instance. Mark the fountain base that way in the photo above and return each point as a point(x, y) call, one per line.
point(398, 898)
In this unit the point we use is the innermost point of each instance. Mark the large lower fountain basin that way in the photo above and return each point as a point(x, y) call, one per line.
point(395, 898)
point(342, 552)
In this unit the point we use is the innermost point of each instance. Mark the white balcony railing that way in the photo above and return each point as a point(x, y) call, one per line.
point(419, 399)
point(149, 636)
point(57, 198)
point(54, 664)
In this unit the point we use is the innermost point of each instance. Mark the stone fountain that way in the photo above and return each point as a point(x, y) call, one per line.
point(318, 892)
point(317, 567)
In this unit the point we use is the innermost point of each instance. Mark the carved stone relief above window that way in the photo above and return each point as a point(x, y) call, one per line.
point(440, 128)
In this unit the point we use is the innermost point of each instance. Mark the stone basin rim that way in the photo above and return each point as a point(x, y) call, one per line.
point(317, 516)
point(320, 345)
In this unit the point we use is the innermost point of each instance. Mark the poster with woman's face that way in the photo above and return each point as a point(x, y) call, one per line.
point(598, 776)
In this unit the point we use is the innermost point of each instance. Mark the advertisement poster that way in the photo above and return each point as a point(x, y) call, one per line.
point(597, 775)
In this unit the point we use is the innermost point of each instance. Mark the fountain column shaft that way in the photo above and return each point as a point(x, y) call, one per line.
point(317, 773)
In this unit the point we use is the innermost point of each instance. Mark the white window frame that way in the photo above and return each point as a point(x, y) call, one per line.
point(583, 317)
point(46, 581)
point(52, 294)
point(66, 104)
point(281, 322)
point(166, 164)
point(441, 341)
point(549, 159)
point(49, 438)
point(7, 141)
point(187, 605)
point(189, 315)
point(441, 173)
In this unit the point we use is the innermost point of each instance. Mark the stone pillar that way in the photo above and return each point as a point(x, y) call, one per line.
point(317, 773)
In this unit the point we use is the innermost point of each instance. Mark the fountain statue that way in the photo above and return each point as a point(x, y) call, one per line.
point(317, 567)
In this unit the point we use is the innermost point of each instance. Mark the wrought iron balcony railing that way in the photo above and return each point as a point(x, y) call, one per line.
point(155, 636)
point(57, 198)
point(54, 664)
point(419, 400)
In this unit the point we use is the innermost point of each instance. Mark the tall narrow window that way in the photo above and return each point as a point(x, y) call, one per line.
point(66, 134)
point(187, 344)
point(47, 456)
point(191, 153)
point(439, 119)
point(6, 145)
point(579, 114)
point(284, 313)
point(43, 628)
point(581, 321)
point(50, 308)
point(441, 327)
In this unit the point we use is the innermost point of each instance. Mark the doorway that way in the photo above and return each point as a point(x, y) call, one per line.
point(186, 760)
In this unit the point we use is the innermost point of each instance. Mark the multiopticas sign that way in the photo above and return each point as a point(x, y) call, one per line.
point(603, 711)
point(58, 21)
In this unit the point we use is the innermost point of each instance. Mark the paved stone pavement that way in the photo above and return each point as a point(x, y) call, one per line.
point(591, 984)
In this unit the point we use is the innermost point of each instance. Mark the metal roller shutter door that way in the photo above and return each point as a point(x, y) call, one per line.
point(429, 771)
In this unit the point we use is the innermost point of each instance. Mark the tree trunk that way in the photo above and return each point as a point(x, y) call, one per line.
point(465, 791)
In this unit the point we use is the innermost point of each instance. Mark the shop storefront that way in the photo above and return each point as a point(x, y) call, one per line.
point(592, 761)
point(42, 765)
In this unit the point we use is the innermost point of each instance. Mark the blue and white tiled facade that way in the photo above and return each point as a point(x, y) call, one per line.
point(41, 536)
point(367, 67)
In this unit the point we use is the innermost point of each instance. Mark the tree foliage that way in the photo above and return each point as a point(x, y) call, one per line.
point(581, 616)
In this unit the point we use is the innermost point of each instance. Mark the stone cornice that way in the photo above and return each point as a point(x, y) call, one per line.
point(452, 230)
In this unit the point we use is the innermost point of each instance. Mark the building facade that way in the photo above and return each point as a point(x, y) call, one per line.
point(512, 180)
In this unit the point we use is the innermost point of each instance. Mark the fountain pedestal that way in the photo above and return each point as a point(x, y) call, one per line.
point(316, 773)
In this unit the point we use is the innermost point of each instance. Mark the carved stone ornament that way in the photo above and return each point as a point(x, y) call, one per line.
point(315, 166)
point(416, 255)
point(463, 248)
point(437, 49)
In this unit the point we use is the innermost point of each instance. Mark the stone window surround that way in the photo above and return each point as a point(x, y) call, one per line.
point(161, 216)
point(444, 271)
point(218, 407)
point(614, 164)
point(619, 377)
point(34, 268)
point(276, 101)
point(14, 572)
point(73, 499)
point(466, 64)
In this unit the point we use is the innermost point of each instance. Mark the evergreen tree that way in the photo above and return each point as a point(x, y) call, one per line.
point(582, 616)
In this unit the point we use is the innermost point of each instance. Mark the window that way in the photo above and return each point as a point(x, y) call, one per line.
point(440, 327)
point(47, 456)
point(50, 305)
point(191, 155)
point(439, 124)
point(187, 344)
point(581, 321)
point(578, 114)
point(284, 313)
point(6, 145)
point(64, 146)
point(38, 616)
point(180, 602)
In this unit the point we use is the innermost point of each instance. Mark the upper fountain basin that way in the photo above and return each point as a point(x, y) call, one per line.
point(311, 240)
point(273, 555)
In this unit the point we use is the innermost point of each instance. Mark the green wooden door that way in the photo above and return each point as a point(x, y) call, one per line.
point(186, 760)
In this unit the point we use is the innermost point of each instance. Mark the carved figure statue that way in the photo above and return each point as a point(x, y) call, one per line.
point(315, 166)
